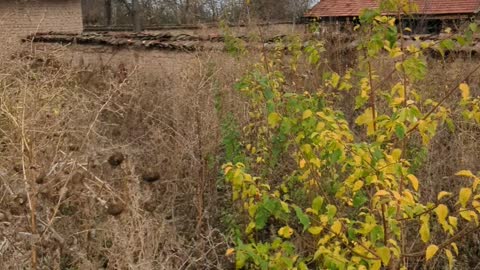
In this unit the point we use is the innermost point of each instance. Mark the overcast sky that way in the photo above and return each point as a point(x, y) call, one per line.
point(314, 2)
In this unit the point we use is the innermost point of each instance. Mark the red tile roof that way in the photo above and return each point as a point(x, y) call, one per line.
point(352, 8)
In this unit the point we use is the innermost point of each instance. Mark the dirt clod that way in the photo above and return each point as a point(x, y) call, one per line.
point(115, 209)
point(41, 178)
point(150, 176)
point(73, 148)
point(116, 159)
point(18, 168)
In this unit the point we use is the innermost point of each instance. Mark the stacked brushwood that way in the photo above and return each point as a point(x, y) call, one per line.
point(161, 41)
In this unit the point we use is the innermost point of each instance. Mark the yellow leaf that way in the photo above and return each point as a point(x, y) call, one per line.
point(366, 119)
point(335, 79)
point(396, 154)
point(307, 114)
point(376, 265)
point(285, 206)
point(465, 89)
point(285, 232)
point(465, 215)
point(381, 193)
point(227, 169)
point(442, 213)
point(230, 252)
point(320, 126)
point(391, 22)
point(468, 215)
point(475, 184)
point(443, 194)
point(314, 230)
point(430, 252)
point(425, 229)
point(453, 221)
point(337, 227)
point(450, 258)
point(357, 186)
point(455, 248)
point(251, 226)
point(476, 205)
point(465, 173)
point(274, 119)
point(408, 197)
point(384, 254)
point(413, 179)
point(302, 163)
point(464, 196)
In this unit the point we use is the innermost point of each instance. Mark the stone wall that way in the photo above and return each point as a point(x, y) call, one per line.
point(19, 18)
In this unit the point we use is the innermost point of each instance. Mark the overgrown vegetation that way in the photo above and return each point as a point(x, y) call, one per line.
point(324, 188)
point(333, 158)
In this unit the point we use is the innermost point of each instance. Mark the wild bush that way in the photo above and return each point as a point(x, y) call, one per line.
point(318, 190)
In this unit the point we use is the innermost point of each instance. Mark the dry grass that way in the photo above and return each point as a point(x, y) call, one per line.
point(105, 168)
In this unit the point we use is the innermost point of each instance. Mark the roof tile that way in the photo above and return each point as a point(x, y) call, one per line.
point(352, 8)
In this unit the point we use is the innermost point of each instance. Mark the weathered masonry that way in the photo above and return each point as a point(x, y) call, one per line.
point(19, 18)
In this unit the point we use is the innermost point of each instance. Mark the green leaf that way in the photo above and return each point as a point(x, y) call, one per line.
point(267, 208)
point(473, 27)
point(415, 68)
point(331, 211)
point(317, 203)
point(376, 234)
point(302, 266)
point(359, 199)
point(261, 218)
point(302, 217)
point(368, 15)
point(400, 130)
point(447, 44)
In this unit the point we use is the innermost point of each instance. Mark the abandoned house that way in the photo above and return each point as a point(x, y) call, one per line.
point(19, 18)
point(431, 16)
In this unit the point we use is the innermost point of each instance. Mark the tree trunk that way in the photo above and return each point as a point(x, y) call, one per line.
point(108, 12)
point(137, 19)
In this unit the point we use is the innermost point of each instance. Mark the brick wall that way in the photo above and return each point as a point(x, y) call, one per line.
point(19, 18)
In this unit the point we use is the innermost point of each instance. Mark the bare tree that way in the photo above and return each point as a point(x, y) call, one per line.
point(157, 12)
point(136, 17)
point(108, 12)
